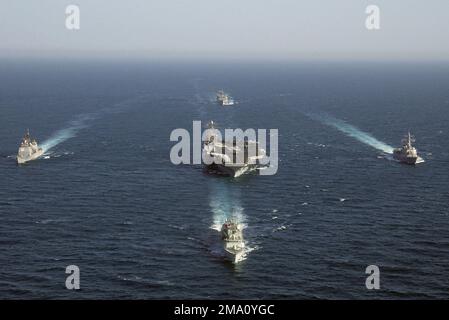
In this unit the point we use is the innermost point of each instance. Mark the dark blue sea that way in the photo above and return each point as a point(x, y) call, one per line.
point(106, 197)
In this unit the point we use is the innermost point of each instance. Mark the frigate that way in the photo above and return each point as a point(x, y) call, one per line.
point(233, 244)
point(232, 158)
point(224, 99)
point(407, 153)
point(28, 150)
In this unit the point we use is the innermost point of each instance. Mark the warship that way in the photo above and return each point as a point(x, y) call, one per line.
point(232, 236)
point(224, 99)
point(28, 150)
point(407, 153)
point(225, 165)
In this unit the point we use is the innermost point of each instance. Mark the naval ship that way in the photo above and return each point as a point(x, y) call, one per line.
point(407, 153)
point(225, 165)
point(233, 244)
point(224, 99)
point(28, 150)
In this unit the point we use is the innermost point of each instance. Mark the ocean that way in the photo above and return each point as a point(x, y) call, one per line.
point(106, 197)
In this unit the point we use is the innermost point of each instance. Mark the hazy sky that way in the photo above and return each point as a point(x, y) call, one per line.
point(265, 29)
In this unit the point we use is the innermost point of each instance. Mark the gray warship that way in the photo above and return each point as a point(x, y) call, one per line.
point(220, 151)
point(233, 244)
point(407, 153)
point(28, 150)
point(224, 99)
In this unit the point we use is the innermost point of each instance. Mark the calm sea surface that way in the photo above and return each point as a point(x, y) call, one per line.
point(107, 198)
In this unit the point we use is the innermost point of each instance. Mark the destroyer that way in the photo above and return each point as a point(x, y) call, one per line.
point(226, 155)
point(224, 99)
point(234, 246)
point(407, 153)
point(28, 150)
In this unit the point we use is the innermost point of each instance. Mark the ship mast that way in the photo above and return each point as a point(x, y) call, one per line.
point(408, 140)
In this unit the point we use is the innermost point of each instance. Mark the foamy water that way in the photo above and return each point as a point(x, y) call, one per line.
point(70, 131)
point(352, 131)
point(224, 205)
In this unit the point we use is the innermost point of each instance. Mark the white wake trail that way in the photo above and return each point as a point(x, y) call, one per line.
point(352, 131)
point(84, 121)
point(69, 132)
point(224, 205)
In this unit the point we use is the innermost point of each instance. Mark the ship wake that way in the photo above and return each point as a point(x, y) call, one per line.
point(352, 131)
point(81, 122)
point(225, 205)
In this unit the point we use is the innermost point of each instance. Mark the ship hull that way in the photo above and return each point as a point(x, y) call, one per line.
point(407, 160)
point(225, 104)
point(234, 250)
point(34, 156)
point(234, 256)
point(229, 171)
point(407, 153)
